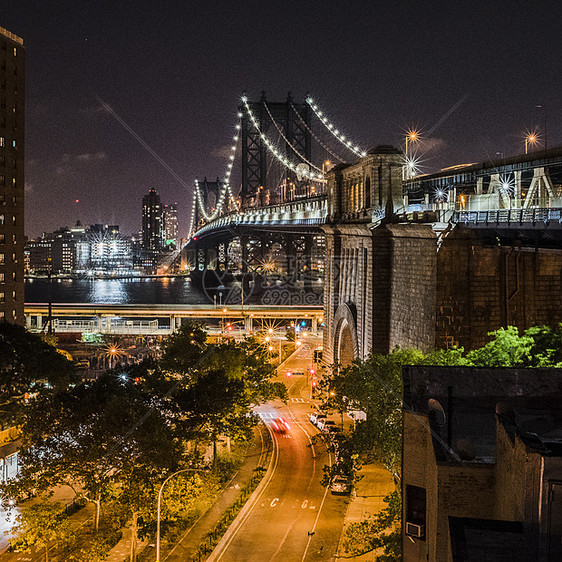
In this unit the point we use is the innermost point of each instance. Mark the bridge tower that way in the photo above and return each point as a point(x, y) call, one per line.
point(293, 119)
point(210, 193)
point(375, 267)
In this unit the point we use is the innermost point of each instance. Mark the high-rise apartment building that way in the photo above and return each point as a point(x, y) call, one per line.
point(12, 83)
point(153, 231)
point(171, 224)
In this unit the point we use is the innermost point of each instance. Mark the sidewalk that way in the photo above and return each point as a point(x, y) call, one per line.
point(186, 548)
point(371, 489)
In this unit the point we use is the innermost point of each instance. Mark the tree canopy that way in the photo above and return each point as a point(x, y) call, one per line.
point(28, 365)
point(117, 438)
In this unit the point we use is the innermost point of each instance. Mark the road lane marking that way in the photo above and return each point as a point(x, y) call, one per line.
point(274, 502)
point(283, 540)
point(266, 483)
point(304, 504)
point(263, 453)
point(311, 533)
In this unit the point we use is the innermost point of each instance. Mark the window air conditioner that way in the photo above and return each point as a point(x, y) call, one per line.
point(414, 530)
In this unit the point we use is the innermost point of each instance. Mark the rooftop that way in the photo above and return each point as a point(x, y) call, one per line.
point(462, 402)
point(12, 36)
point(478, 540)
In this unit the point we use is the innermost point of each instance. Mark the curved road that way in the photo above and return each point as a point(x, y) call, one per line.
point(294, 517)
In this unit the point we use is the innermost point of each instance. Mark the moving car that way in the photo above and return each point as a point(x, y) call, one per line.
point(279, 425)
point(340, 485)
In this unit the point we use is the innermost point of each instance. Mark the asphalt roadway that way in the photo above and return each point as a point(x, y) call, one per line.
point(292, 518)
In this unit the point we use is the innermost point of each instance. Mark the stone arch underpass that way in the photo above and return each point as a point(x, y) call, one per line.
point(345, 336)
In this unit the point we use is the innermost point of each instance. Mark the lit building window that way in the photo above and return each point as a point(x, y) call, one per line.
point(2, 259)
point(2, 297)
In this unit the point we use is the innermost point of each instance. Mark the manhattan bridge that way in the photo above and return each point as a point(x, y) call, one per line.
point(303, 178)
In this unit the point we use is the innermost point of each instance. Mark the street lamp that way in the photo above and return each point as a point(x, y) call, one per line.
point(412, 136)
point(160, 505)
point(531, 138)
point(409, 167)
point(112, 353)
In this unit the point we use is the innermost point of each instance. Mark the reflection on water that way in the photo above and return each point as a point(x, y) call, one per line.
point(162, 290)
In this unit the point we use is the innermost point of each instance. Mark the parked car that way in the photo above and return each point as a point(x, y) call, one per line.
point(315, 417)
point(326, 425)
point(332, 429)
point(340, 485)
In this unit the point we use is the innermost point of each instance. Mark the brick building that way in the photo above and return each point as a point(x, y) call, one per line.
point(12, 84)
point(482, 464)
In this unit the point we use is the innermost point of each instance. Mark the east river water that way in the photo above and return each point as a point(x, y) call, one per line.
point(149, 290)
point(161, 290)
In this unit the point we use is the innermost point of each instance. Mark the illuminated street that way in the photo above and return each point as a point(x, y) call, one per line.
point(294, 517)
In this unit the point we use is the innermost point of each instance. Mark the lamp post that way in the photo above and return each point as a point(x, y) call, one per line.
point(412, 136)
point(160, 505)
point(530, 139)
point(112, 353)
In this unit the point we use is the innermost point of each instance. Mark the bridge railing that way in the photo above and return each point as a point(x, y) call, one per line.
point(552, 215)
point(304, 211)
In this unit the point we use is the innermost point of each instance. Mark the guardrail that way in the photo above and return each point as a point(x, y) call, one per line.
point(536, 217)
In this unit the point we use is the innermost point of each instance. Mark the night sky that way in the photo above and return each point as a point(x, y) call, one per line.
point(174, 73)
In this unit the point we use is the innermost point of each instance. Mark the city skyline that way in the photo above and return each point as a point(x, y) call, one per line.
point(175, 76)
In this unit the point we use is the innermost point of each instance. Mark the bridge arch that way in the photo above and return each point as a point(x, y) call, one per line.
point(345, 344)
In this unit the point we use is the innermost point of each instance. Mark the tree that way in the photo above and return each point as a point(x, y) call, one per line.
point(380, 533)
point(40, 525)
point(28, 366)
point(184, 348)
point(375, 386)
point(96, 438)
point(506, 349)
point(247, 361)
point(546, 349)
point(216, 405)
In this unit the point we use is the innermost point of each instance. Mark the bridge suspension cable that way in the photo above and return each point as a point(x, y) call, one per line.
point(335, 132)
point(192, 218)
point(316, 138)
point(287, 140)
point(273, 150)
point(225, 188)
point(231, 158)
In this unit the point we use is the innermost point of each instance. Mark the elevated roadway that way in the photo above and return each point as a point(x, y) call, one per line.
point(160, 320)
